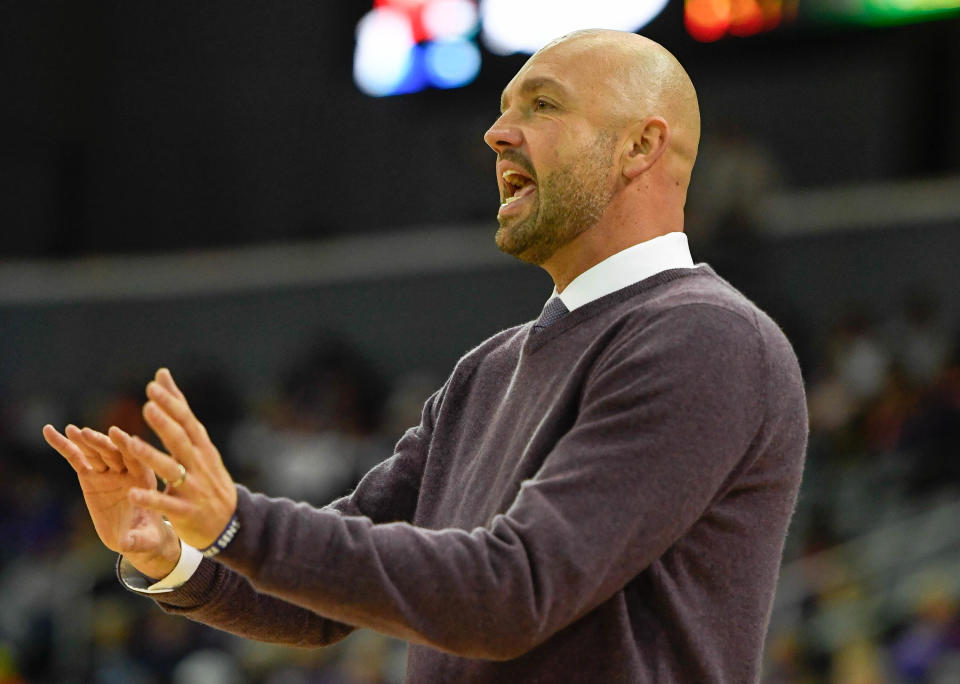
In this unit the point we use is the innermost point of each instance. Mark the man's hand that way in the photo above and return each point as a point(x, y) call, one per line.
point(200, 497)
point(106, 479)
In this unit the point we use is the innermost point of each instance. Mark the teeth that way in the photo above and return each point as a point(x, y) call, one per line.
point(518, 186)
point(515, 178)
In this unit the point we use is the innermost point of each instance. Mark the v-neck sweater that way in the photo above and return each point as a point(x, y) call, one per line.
point(603, 501)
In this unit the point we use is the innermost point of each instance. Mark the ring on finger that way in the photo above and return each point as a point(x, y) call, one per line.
point(179, 481)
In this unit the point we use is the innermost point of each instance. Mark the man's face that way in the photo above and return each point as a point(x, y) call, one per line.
point(555, 158)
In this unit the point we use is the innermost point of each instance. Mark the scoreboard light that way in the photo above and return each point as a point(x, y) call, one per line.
point(451, 63)
point(879, 12)
point(449, 19)
point(408, 45)
point(709, 20)
point(384, 53)
point(510, 26)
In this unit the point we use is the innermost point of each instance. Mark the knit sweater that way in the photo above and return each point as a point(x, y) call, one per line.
point(602, 501)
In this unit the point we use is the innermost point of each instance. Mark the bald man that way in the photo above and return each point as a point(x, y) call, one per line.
point(601, 495)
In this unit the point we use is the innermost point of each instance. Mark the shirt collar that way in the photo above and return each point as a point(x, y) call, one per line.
point(627, 267)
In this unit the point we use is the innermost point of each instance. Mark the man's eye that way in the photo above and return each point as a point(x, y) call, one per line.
point(542, 104)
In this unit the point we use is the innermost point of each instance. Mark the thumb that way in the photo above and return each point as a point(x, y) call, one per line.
point(135, 543)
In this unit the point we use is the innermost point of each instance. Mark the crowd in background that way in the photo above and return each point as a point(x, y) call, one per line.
point(884, 400)
point(872, 561)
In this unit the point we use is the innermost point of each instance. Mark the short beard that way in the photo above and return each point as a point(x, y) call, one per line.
point(569, 201)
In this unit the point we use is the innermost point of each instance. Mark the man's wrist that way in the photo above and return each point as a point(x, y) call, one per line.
point(187, 565)
point(226, 536)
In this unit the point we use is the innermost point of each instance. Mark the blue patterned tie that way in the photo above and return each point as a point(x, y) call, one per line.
point(552, 312)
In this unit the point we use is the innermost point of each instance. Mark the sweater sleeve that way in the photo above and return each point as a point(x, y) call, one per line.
point(667, 413)
point(220, 597)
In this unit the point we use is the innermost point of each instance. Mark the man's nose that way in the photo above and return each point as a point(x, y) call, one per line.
point(503, 134)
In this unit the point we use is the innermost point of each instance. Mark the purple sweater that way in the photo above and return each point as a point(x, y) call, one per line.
point(604, 501)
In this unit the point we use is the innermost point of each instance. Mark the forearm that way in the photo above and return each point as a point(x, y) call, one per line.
point(220, 598)
point(462, 592)
point(490, 593)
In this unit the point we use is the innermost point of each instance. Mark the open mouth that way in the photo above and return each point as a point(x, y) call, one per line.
point(516, 186)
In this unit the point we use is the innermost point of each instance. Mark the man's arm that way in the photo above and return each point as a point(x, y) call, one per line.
point(213, 593)
point(220, 597)
point(652, 446)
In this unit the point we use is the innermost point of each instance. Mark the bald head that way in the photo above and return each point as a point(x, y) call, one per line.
point(640, 78)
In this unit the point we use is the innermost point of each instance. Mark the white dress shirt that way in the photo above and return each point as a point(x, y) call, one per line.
point(627, 267)
point(187, 565)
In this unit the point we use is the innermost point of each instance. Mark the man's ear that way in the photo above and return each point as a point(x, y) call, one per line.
point(646, 141)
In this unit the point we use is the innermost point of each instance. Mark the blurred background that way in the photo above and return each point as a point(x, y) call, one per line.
point(290, 205)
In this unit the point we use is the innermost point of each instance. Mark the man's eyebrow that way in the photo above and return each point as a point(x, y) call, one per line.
point(534, 84)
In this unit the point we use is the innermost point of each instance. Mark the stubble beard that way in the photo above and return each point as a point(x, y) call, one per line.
point(569, 201)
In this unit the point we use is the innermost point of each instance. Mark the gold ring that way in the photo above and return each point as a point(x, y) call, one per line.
point(180, 480)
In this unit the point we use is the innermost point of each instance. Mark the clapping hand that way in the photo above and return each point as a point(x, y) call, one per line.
point(201, 497)
point(106, 478)
point(118, 476)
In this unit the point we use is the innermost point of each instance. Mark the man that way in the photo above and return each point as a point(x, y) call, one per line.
point(601, 496)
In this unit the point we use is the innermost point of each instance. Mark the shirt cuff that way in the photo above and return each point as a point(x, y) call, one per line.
point(187, 565)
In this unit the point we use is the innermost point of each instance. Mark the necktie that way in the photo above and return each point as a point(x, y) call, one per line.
point(552, 312)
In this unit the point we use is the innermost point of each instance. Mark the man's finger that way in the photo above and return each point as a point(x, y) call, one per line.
point(179, 410)
point(169, 506)
point(165, 378)
point(123, 443)
point(67, 449)
point(171, 433)
point(98, 442)
point(73, 433)
point(146, 455)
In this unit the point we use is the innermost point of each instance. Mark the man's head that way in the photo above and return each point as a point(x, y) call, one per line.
point(598, 128)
